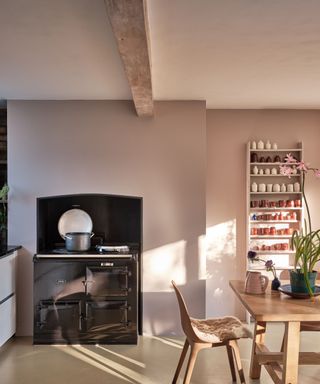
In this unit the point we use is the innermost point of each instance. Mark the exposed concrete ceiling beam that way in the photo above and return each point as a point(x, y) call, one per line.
point(129, 22)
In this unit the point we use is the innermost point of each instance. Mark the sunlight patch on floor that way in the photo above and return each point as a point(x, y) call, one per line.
point(121, 356)
point(88, 359)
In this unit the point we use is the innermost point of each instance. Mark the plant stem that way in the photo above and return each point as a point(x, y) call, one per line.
point(305, 201)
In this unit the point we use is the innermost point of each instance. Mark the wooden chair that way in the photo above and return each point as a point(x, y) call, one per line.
point(209, 333)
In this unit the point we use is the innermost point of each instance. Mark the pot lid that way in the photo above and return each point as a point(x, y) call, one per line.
point(74, 220)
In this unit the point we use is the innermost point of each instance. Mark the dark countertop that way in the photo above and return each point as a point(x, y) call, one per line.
point(6, 250)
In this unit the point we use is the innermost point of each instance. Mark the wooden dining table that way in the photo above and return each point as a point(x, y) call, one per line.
point(273, 306)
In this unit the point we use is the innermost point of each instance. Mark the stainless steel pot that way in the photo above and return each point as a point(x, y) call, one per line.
point(78, 241)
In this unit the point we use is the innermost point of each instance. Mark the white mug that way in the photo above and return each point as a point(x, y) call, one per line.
point(269, 187)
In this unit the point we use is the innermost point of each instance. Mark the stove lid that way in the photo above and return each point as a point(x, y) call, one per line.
point(112, 248)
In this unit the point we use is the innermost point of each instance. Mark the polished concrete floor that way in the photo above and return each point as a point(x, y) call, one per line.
point(153, 361)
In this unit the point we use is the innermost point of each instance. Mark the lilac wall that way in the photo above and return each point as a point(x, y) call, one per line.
point(65, 147)
point(228, 132)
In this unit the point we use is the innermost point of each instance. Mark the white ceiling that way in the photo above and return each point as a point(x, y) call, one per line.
point(231, 53)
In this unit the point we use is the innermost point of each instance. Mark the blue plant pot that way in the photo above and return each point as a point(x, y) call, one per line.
point(275, 284)
point(298, 284)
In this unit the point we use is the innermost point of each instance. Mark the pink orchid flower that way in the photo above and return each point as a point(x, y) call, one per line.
point(302, 166)
point(290, 159)
point(317, 172)
point(286, 171)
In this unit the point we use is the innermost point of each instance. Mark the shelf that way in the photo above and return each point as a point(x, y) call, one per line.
point(260, 205)
point(274, 252)
point(271, 164)
point(275, 208)
point(273, 221)
point(275, 193)
point(277, 150)
point(272, 237)
point(277, 175)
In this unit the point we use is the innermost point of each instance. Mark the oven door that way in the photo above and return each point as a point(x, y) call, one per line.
point(108, 321)
point(107, 280)
point(57, 322)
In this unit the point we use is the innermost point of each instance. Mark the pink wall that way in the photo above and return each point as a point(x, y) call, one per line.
point(82, 147)
point(65, 147)
point(228, 131)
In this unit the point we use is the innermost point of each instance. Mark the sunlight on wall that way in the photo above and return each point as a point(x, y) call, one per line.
point(221, 241)
point(221, 267)
point(202, 261)
point(163, 264)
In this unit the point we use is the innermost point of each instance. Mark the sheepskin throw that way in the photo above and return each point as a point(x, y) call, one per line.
point(219, 329)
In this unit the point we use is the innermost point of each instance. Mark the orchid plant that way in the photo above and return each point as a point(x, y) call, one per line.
point(269, 264)
point(307, 243)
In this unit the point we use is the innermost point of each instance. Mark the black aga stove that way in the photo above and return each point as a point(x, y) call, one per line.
point(90, 297)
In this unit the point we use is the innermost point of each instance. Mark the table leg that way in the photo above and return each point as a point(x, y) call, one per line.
point(291, 352)
point(258, 338)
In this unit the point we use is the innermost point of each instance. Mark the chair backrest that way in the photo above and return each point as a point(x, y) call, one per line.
point(184, 315)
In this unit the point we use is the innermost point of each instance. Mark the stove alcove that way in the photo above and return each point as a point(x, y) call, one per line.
point(89, 298)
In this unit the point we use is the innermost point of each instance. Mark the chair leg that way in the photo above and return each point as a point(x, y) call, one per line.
point(231, 363)
point(181, 360)
point(282, 344)
point(236, 353)
point(195, 348)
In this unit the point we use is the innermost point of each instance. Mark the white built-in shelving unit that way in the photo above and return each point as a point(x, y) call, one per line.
point(272, 216)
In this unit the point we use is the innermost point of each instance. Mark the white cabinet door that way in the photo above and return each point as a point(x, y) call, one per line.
point(7, 297)
point(7, 319)
point(7, 276)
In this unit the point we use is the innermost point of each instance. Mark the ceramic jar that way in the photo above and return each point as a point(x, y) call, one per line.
point(283, 188)
point(267, 171)
point(255, 170)
point(261, 172)
point(274, 171)
point(260, 144)
point(262, 187)
point(296, 187)
point(268, 144)
point(277, 159)
point(253, 145)
point(269, 187)
point(290, 187)
point(274, 146)
point(276, 187)
point(254, 187)
point(254, 157)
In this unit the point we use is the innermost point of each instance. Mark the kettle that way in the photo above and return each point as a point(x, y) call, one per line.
point(256, 283)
